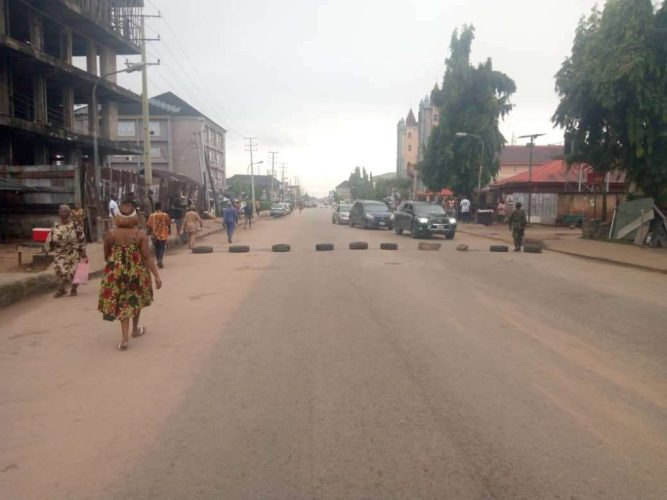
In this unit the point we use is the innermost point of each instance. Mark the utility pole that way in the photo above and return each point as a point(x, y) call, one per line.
point(273, 158)
point(531, 145)
point(145, 115)
point(283, 183)
point(251, 147)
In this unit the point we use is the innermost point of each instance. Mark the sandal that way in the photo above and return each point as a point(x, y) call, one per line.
point(122, 346)
point(139, 331)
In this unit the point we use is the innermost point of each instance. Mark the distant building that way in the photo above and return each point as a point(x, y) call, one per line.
point(344, 191)
point(412, 138)
point(182, 139)
point(264, 186)
point(515, 159)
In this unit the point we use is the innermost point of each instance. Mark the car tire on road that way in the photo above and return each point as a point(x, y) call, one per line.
point(398, 230)
point(532, 248)
point(450, 236)
point(239, 249)
point(388, 246)
point(324, 247)
point(358, 245)
point(202, 249)
point(424, 245)
point(499, 248)
point(281, 247)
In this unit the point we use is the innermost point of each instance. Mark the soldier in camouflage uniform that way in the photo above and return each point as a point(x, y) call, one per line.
point(68, 242)
point(518, 222)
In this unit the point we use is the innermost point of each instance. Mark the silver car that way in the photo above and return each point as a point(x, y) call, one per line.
point(341, 214)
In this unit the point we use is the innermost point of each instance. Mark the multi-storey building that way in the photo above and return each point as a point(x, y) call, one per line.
point(52, 53)
point(183, 140)
point(413, 136)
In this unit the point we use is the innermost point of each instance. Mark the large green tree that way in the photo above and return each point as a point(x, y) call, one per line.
point(613, 93)
point(473, 100)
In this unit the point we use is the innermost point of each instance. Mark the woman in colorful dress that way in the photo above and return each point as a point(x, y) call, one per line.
point(126, 286)
point(68, 243)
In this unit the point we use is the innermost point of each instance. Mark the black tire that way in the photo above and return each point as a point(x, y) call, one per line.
point(388, 246)
point(390, 228)
point(450, 236)
point(202, 249)
point(462, 247)
point(358, 245)
point(398, 230)
point(428, 246)
point(239, 249)
point(351, 223)
point(532, 248)
point(499, 248)
point(324, 247)
point(281, 247)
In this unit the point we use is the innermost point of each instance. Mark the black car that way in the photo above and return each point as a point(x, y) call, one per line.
point(423, 219)
point(371, 214)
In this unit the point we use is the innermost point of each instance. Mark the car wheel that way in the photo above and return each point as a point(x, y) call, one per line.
point(398, 230)
point(390, 228)
point(413, 231)
point(450, 236)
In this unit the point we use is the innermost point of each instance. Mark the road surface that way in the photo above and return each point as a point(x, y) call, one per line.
point(345, 374)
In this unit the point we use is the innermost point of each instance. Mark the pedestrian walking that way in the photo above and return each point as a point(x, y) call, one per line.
point(113, 206)
point(247, 216)
point(230, 218)
point(126, 285)
point(518, 222)
point(500, 211)
point(190, 223)
point(159, 229)
point(465, 210)
point(68, 242)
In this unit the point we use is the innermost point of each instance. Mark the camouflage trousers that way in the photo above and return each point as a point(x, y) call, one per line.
point(517, 236)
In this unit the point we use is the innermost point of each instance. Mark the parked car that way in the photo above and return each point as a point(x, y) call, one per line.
point(423, 219)
point(341, 214)
point(278, 210)
point(371, 214)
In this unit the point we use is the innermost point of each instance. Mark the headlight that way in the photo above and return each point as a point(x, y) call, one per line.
point(452, 220)
point(423, 220)
point(391, 216)
point(370, 216)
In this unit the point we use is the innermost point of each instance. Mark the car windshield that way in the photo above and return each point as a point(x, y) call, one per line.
point(345, 208)
point(376, 207)
point(428, 209)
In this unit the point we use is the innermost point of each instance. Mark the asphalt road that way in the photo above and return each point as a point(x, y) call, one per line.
point(345, 374)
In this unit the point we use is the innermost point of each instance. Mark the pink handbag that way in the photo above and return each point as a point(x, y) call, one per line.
point(81, 272)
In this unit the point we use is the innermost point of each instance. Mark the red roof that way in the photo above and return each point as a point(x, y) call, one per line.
point(555, 172)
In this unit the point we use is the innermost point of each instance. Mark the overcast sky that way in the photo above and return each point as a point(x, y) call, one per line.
point(325, 82)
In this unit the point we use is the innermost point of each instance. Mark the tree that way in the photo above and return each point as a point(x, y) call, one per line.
point(472, 100)
point(361, 187)
point(613, 93)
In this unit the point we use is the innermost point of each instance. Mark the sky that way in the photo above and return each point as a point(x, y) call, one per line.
point(324, 83)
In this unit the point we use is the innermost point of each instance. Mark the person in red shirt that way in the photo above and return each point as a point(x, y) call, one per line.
point(159, 228)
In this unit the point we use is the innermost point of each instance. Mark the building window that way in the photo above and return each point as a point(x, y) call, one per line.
point(156, 153)
point(219, 139)
point(127, 128)
point(211, 156)
point(154, 128)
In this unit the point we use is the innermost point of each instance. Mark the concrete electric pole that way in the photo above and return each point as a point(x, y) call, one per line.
point(273, 173)
point(251, 147)
point(531, 145)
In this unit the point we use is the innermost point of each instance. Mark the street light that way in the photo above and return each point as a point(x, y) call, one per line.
point(97, 167)
point(481, 164)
